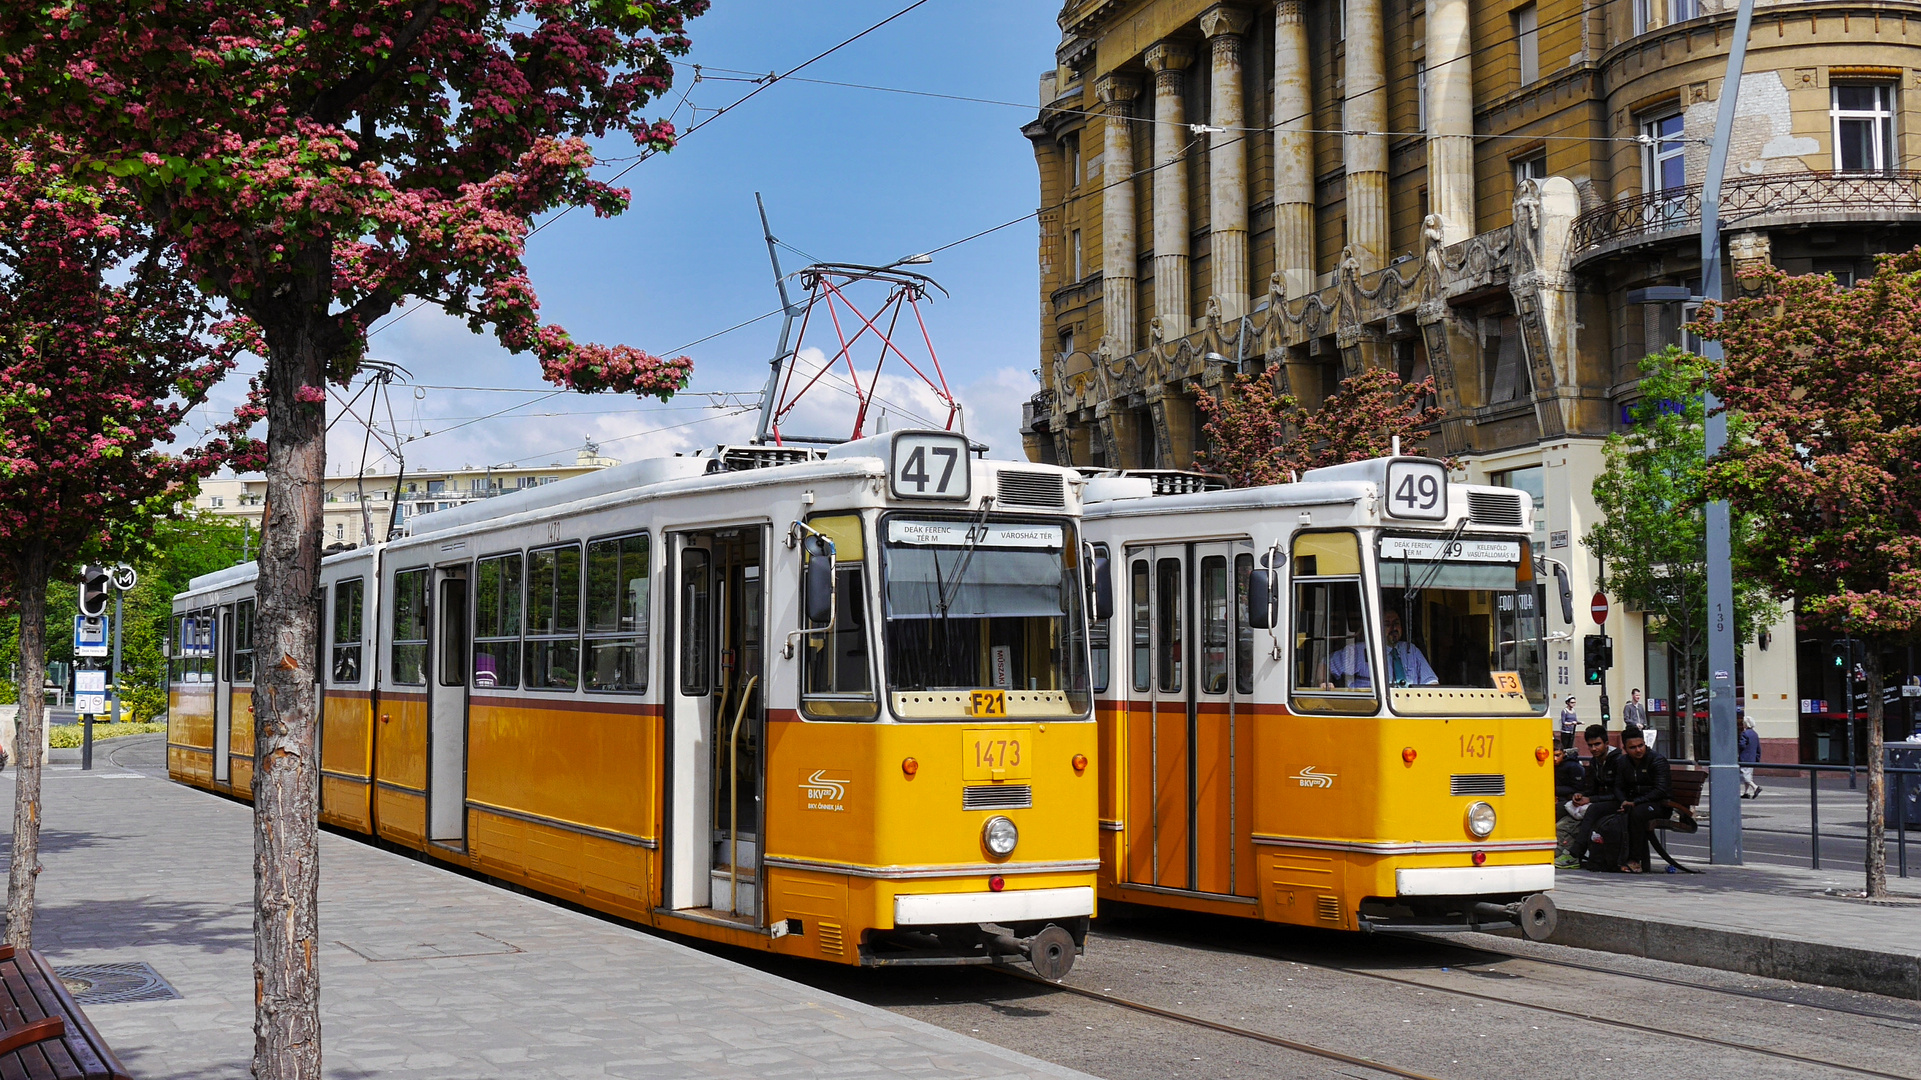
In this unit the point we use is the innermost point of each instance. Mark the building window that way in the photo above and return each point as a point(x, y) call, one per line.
point(1340, 20)
point(1642, 16)
point(1420, 96)
point(1532, 167)
point(340, 530)
point(1664, 166)
point(1527, 38)
point(1067, 343)
point(436, 485)
point(217, 502)
point(1683, 10)
point(1533, 480)
point(1843, 271)
point(1074, 252)
point(1863, 127)
point(1073, 155)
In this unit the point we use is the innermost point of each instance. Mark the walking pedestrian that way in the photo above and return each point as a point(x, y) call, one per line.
point(1570, 724)
point(1750, 756)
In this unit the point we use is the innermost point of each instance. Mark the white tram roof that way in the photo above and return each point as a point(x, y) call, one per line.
point(1120, 496)
point(724, 467)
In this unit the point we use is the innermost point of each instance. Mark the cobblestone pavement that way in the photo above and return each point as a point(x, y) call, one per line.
point(424, 973)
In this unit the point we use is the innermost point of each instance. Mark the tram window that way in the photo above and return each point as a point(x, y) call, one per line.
point(985, 605)
point(1097, 630)
point(839, 677)
point(552, 654)
point(1455, 615)
point(1214, 629)
point(1243, 633)
point(1333, 665)
point(243, 641)
point(410, 628)
point(1168, 595)
point(349, 598)
point(497, 622)
point(619, 585)
point(451, 657)
point(696, 620)
point(1143, 628)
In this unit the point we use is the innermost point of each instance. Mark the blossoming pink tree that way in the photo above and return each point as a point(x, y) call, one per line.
point(94, 380)
point(1824, 378)
point(316, 163)
point(1257, 436)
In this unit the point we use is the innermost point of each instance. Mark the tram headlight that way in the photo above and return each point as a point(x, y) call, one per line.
point(1480, 819)
point(1000, 836)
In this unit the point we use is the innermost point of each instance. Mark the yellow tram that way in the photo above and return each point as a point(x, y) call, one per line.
point(829, 704)
point(1253, 761)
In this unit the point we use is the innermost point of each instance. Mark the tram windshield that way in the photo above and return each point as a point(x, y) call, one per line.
point(1461, 614)
point(979, 606)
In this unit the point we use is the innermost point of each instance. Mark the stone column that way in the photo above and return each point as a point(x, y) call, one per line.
point(1167, 60)
point(1227, 160)
point(1366, 154)
point(1293, 150)
point(1450, 118)
point(1120, 252)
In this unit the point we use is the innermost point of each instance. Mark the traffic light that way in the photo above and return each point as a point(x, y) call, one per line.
point(1847, 652)
point(93, 591)
point(1597, 655)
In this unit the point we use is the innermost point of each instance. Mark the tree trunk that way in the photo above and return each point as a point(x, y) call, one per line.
point(1877, 861)
point(286, 722)
point(30, 570)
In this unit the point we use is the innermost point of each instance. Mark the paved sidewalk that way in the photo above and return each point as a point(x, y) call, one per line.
point(1774, 921)
point(425, 973)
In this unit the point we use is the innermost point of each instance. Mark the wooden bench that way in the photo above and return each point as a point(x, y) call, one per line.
point(1685, 785)
point(43, 1033)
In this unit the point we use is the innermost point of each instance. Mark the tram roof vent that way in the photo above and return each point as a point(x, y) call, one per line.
point(1032, 489)
point(1160, 482)
point(1496, 508)
point(743, 458)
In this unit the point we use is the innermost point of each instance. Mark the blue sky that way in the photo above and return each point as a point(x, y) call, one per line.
point(849, 175)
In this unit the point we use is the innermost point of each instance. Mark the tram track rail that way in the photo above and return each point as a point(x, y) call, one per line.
point(1572, 1014)
point(1730, 991)
point(1295, 1045)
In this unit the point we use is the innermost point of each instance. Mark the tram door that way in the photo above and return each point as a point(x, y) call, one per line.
point(1184, 729)
point(716, 732)
point(447, 708)
point(223, 698)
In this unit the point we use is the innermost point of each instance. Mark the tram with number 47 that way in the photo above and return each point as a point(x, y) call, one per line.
point(833, 704)
point(1325, 702)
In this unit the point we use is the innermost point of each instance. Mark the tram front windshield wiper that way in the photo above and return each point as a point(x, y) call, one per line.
point(973, 542)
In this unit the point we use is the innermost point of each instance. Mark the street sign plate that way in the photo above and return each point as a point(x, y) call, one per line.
point(1599, 608)
point(89, 635)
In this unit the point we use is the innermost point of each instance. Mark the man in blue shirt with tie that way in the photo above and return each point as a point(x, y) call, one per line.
point(1406, 665)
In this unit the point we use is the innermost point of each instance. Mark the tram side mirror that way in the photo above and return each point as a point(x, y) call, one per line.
point(1262, 592)
point(818, 580)
point(1103, 588)
point(1567, 594)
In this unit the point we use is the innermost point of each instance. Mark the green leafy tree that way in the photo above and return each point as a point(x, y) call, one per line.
point(1257, 435)
point(1652, 536)
point(1823, 379)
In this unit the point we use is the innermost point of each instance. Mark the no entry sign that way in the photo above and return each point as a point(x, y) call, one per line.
point(1599, 608)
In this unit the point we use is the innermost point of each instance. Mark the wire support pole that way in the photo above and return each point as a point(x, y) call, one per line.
point(1724, 776)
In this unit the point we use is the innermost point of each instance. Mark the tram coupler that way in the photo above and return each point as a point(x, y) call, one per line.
point(1535, 915)
point(1050, 950)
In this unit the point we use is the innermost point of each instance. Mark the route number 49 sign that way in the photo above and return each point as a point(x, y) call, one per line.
point(1416, 490)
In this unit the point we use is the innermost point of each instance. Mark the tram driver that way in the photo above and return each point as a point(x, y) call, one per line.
point(1407, 665)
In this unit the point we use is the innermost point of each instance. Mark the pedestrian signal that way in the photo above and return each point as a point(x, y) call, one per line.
point(94, 583)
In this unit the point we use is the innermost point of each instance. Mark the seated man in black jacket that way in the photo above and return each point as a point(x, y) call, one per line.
point(1600, 793)
point(1647, 789)
point(1568, 779)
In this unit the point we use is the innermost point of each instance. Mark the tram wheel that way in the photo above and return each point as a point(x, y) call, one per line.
point(1538, 917)
point(1052, 953)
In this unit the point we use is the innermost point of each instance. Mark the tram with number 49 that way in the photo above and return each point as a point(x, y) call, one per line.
point(1325, 702)
point(833, 704)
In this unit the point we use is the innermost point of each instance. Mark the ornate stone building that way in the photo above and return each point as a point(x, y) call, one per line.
point(1470, 189)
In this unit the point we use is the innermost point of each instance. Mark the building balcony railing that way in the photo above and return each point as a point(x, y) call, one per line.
point(1799, 197)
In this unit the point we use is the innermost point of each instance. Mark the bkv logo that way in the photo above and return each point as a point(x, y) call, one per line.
point(1309, 778)
point(821, 791)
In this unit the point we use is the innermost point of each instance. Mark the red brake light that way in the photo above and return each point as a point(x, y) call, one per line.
point(1408, 755)
point(997, 882)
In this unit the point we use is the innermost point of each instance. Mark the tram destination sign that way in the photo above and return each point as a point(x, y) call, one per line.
point(964, 533)
point(1438, 550)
